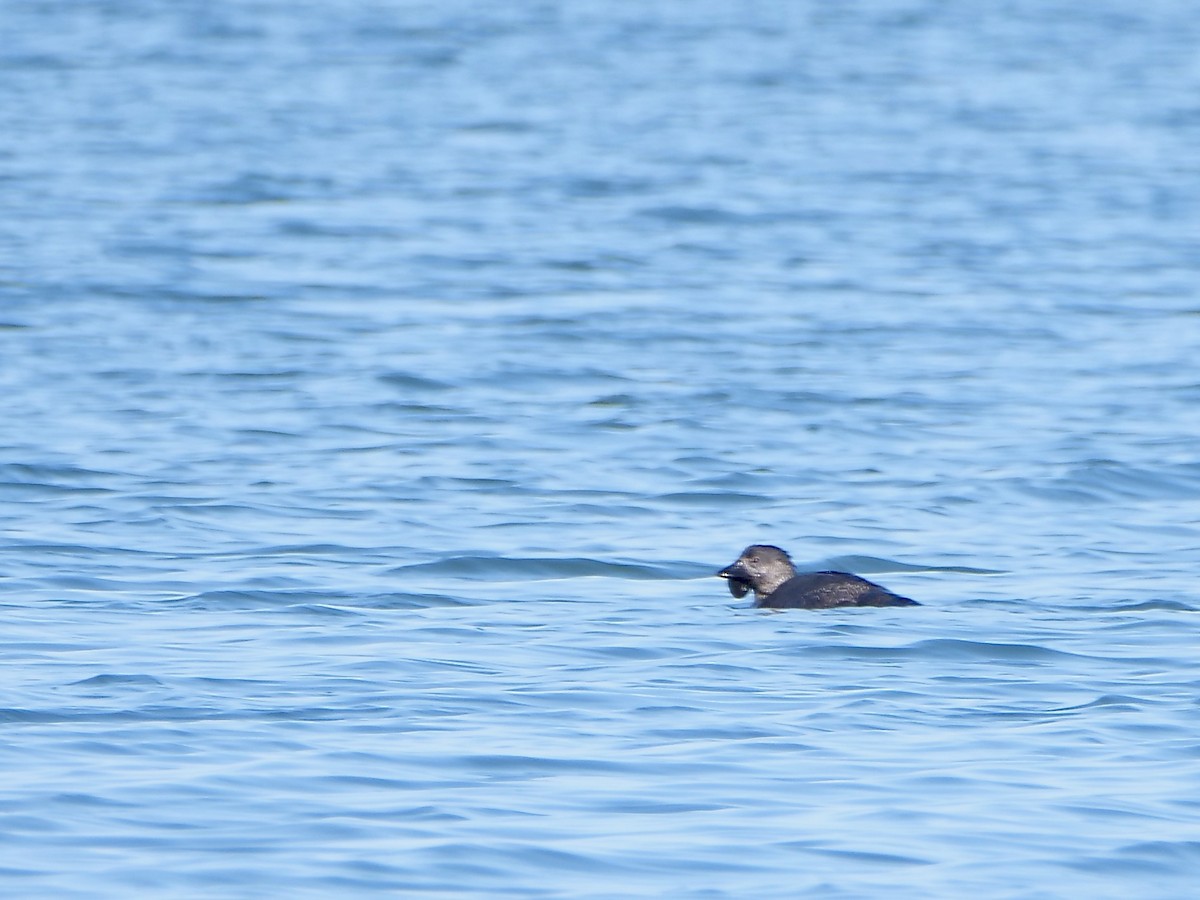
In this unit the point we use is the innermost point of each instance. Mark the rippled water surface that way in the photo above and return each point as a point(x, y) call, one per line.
point(383, 382)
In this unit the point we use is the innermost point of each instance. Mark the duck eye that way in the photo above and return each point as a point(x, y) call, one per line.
point(754, 559)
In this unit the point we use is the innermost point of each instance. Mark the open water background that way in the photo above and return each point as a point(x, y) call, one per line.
point(382, 382)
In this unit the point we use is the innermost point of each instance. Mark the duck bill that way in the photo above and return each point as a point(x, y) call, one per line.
point(735, 581)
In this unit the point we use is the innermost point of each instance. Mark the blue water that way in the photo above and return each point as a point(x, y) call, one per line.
point(382, 383)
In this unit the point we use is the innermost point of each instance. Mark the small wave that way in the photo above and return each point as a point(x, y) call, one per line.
point(505, 568)
point(949, 649)
point(259, 187)
point(114, 679)
point(258, 599)
point(1167, 851)
point(1117, 701)
point(963, 649)
point(1161, 858)
point(28, 490)
point(1100, 480)
point(512, 765)
point(875, 564)
point(31, 716)
point(1147, 605)
point(410, 600)
point(47, 474)
point(327, 603)
point(44, 548)
point(410, 382)
point(868, 858)
point(691, 215)
point(709, 499)
point(257, 551)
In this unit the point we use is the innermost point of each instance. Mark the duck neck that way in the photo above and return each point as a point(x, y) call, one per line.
point(769, 583)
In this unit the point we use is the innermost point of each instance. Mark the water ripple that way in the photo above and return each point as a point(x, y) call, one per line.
point(385, 383)
point(495, 568)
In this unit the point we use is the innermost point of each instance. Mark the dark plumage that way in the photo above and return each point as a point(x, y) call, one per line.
point(768, 571)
